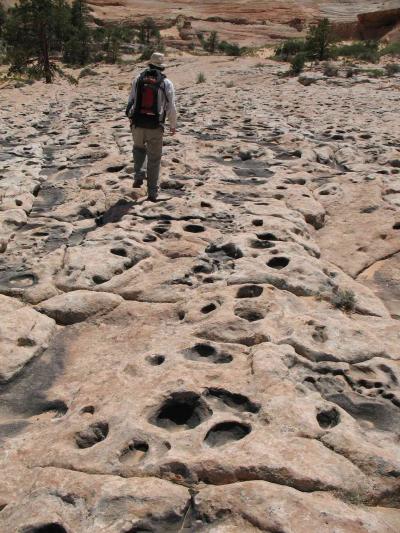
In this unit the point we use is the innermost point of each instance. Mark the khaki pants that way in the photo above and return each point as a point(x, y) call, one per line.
point(148, 142)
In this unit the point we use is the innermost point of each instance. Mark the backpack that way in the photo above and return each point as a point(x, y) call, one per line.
point(146, 113)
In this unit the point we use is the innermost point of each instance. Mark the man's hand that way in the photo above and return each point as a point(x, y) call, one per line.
point(172, 131)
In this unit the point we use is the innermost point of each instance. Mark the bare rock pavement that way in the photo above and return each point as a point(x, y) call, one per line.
point(189, 365)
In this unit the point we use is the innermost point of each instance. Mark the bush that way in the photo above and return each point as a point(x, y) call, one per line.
point(288, 49)
point(344, 299)
point(200, 78)
point(330, 70)
point(392, 49)
point(297, 63)
point(373, 72)
point(363, 50)
point(392, 69)
point(231, 49)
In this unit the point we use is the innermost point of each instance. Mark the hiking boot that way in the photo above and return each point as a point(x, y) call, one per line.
point(137, 184)
point(151, 198)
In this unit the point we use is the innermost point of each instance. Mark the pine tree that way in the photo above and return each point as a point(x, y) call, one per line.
point(28, 32)
point(319, 39)
point(77, 47)
point(2, 19)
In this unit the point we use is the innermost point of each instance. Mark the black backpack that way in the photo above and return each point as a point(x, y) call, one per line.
point(146, 113)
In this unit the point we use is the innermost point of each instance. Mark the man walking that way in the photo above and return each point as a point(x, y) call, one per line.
point(151, 101)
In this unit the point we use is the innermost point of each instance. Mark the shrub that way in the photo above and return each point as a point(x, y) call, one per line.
point(200, 78)
point(330, 70)
point(392, 49)
point(288, 49)
point(297, 63)
point(363, 50)
point(374, 72)
point(230, 49)
point(392, 69)
point(344, 299)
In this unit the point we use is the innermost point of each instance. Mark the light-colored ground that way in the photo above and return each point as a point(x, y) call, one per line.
point(155, 352)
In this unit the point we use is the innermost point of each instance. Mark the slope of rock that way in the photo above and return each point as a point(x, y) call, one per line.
point(182, 366)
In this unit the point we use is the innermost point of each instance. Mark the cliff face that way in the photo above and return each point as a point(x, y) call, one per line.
point(260, 21)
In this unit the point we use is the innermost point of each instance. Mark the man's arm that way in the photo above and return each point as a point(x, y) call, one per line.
point(170, 106)
point(131, 99)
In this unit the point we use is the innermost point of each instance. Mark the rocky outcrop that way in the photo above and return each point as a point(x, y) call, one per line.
point(227, 358)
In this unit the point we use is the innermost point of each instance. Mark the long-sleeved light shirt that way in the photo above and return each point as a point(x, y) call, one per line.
point(166, 100)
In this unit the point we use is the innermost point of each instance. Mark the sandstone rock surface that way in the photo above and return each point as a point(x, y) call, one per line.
point(227, 358)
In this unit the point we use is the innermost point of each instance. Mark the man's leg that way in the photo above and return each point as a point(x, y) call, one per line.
point(139, 155)
point(154, 143)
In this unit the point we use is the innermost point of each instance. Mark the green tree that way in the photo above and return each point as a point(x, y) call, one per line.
point(2, 19)
point(61, 24)
point(28, 33)
point(319, 40)
point(77, 47)
point(148, 31)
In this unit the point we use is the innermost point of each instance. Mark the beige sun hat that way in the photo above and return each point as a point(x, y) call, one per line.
point(157, 59)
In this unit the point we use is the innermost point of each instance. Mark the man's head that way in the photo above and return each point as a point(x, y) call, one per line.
point(157, 61)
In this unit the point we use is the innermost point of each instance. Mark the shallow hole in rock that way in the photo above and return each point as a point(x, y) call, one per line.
point(249, 291)
point(92, 435)
point(226, 432)
point(47, 528)
point(328, 418)
point(181, 314)
point(251, 315)
point(232, 251)
point(396, 225)
point(88, 409)
point(161, 229)
point(208, 308)
point(182, 410)
point(205, 352)
point(119, 251)
point(266, 237)
point(149, 238)
point(257, 222)
point(26, 341)
point(3, 506)
point(98, 280)
point(135, 452)
point(155, 360)
point(194, 228)
point(116, 168)
point(234, 400)
point(205, 204)
point(278, 262)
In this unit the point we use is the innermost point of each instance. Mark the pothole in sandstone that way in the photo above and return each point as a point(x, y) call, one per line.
point(249, 291)
point(249, 314)
point(47, 528)
point(208, 308)
point(226, 432)
point(278, 263)
point(92, 435)
point(135, 452)
point(155, 360)
point(182, 410)
point(328, 418)
point(207, 353)
point(236, 401)
point(194, 228)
